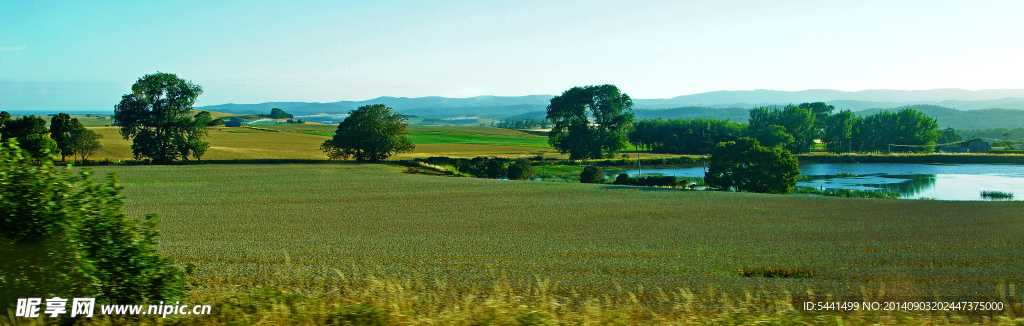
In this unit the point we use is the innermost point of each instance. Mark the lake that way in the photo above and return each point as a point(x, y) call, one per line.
point(912, 181)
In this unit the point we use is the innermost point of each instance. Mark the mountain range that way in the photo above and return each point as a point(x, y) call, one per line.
point(505, 106)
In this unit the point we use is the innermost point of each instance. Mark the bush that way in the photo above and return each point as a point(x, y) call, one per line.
point(63, 234)
point(495, 169)
point(592, 174)
point(623, 179)
point(520, 170)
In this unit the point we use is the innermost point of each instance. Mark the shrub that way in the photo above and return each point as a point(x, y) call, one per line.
point(63, 234)
point(520, 169)
point(495, 169)
point(592, 174)
point(623, 179)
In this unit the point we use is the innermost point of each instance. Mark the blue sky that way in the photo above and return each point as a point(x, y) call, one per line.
point(84, 55)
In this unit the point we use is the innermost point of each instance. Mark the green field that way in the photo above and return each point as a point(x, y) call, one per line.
point(454, 135)
point(242, 224)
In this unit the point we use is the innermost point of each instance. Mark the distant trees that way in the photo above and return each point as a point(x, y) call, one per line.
point(904, 127)
point(773, 136)
point(821, 112)
point(522, 124)
point(745, 165)
point(684, 136)
point(590, 122)
point(276, 113)
point(84, 142)
point(61, 127)
point(837, 133)
point(156, 118)
point(798, 122)
point(32, 135)
point(203, 118)
point(369, 133)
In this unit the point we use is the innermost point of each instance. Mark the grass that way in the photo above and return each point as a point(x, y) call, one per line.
point(227, 144)
point(848, 193)
point(241, 224)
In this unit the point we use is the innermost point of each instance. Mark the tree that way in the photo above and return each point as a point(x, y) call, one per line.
point(369, 133)
point(276, 113)
point(949, 135)
point(773, 136)
point(4, 118)
point(204, 118)
point(821, 112)
point(907, 126)
point(520, 170)
point(63, 234)
point(156, 117)
point(590, 122)
point(61, 126)
point(84, 142)
point(797, 121)
point(745, 165)
point(684, 136)
point(592, 174)
point(495, 169)
point(32, 134)
point(838, 132)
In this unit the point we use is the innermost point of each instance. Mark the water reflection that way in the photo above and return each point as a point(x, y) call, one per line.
point(907, 185)
point(944, 182)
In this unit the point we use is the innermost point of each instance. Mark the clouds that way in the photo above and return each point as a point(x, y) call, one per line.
point(13, 48)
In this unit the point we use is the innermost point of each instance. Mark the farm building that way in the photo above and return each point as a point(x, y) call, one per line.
point(979, 147)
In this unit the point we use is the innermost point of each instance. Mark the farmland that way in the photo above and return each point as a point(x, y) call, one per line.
point(302, 142)
point(241, 224)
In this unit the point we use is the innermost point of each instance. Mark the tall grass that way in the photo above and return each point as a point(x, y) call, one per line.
point(365, 297)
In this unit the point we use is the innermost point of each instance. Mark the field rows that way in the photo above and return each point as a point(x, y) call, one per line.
point(243, 223)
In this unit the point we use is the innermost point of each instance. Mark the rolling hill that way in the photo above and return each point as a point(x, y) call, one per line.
point(497, 107)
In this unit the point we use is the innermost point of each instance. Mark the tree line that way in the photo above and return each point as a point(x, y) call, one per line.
point(65, 136)
point(794, 128)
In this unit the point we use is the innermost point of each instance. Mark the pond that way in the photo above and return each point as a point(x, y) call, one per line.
point(912, 181)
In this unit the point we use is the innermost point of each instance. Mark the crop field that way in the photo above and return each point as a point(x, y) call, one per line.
point(244, 224)
point(228, 144)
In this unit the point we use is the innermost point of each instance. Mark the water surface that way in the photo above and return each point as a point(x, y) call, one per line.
point(912, 181)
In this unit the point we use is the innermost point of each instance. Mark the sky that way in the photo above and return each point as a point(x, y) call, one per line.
point(83, 55)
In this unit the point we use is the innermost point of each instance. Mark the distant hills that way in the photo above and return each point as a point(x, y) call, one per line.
point(506, 106)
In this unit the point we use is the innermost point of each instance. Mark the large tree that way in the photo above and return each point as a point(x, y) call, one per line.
point(886, 130)
point(61, 127)
point(84, 142)
point(369, 133)
point(590, 122)
point(798, 122)
point(745, 165)
point(838, 131)
point(156, 116)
